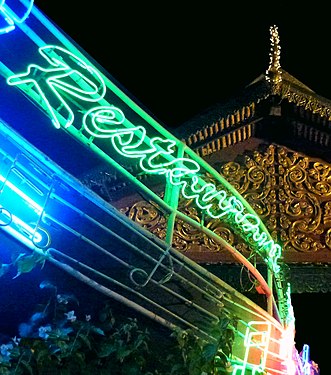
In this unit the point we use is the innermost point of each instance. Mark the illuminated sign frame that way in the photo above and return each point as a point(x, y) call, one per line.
point(72, 76)
point(74, 94)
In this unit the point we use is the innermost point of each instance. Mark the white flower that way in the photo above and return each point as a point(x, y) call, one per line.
point(43, 331)
point(71, 316)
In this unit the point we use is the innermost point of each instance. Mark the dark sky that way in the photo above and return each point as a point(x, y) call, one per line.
point(178, 58)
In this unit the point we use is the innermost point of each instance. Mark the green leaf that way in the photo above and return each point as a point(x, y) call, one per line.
point(27, 367)
point(131, 369)
point(80, 359)
point(123, 353)
point(209, 351)
point(25, 264)
point(97, 330)
point(106, 349)
point(42, 355)
point(85, 340)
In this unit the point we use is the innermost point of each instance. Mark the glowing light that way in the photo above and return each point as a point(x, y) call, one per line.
point(274, 73)
point(257, 339)
point(37, 208)
point(70, 75)
point(27, 230)
point(11, 18)
point(57, 80)
point(306, 360)
point(36, 235)
point(105, 122)
point(286, 349)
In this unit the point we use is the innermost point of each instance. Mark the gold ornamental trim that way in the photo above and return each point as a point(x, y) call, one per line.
point(289, 191)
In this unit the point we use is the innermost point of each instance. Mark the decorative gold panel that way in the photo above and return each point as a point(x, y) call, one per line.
point(290, 192)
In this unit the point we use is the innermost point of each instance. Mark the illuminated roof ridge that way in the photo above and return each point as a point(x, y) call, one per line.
point(273, 73)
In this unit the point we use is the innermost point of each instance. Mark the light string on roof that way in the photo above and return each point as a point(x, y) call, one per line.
point(273, 73)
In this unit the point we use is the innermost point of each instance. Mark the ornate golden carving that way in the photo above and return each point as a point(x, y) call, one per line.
point(290, 192)
point(308, 102)
point(148, 216)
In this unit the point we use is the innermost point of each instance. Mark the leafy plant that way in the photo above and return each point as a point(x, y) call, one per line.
point(23, 262)
point(202, 357)
point(57, 341)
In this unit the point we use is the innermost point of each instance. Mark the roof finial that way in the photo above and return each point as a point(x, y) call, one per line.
point(274, 74)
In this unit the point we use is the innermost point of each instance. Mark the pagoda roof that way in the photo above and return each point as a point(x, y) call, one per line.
point(275, 85)
point(260, 89)
point(272, 141)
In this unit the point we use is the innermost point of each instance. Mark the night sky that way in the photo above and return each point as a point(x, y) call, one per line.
point(178, 58)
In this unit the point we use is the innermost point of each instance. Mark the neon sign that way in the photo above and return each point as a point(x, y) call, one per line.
point(305, 360)
point(20, 212)
point(10, 17)
point(260, 345)
point(65, 68)
point(71, 76)
point(309, 367)
point(257, 340)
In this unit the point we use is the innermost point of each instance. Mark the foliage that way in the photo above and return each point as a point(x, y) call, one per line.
point(202, 357)
point(23, 262)
point(56, 341)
